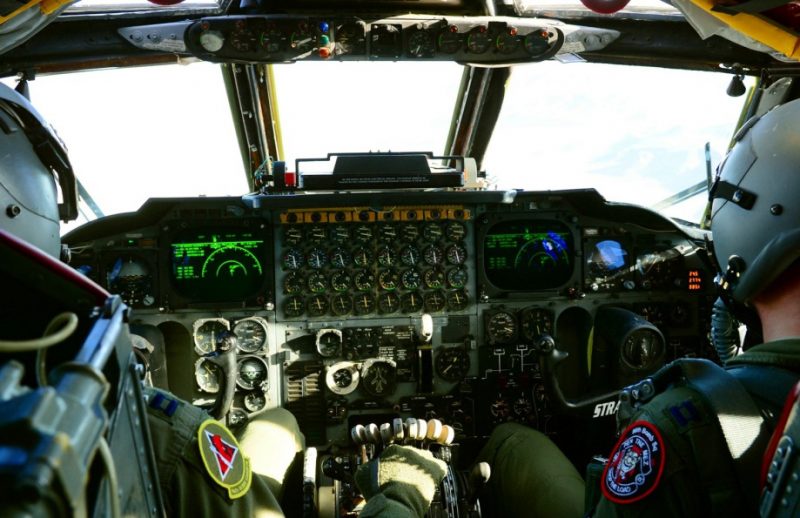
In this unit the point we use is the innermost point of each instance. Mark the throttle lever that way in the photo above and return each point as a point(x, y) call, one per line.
point(478, 477)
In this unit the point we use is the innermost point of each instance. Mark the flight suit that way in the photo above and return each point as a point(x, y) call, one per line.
point(688, 461)
point(205, 471)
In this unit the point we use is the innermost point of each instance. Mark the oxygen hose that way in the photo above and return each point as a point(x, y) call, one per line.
point(724, 331)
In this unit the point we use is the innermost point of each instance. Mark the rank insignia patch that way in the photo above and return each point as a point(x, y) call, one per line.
point(636, 464)
point(223, 459)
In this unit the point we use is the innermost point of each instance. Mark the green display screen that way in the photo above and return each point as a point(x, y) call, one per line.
point(528, 255)
point(218, 265)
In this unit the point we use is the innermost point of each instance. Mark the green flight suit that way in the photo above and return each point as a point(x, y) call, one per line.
point(531, 477)
point(189, 489)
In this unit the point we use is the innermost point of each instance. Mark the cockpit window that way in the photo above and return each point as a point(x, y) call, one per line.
point(365, 106)
point(635, 134)
point(144, 132)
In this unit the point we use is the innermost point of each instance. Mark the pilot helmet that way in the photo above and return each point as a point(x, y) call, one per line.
point(755, 213)
point(33, 163)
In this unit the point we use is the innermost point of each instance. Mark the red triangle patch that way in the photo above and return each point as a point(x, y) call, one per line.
point(224, 453)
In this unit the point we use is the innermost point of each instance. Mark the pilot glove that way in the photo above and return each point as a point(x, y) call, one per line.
point(400, 483)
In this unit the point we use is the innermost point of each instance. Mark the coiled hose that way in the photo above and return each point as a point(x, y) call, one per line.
point(724, 331)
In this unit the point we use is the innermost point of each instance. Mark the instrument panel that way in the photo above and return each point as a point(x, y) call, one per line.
point(361, 307)
point(287, 38)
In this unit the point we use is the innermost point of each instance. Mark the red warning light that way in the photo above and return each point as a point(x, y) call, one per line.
point(453, 29)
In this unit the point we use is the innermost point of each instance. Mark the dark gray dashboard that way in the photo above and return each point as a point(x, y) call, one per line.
point(359, 307)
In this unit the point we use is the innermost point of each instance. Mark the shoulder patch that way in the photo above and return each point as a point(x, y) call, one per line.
point(636, 464)
point(223, 459)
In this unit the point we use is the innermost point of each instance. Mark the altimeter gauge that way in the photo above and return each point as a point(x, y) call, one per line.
point(251, 334)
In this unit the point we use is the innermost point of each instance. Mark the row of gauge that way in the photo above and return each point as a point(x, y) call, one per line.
point(363, 268)
point(507, 326)
point(378, 377)
point(249, 337)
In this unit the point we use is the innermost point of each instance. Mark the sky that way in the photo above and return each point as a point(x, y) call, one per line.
point(636, 134)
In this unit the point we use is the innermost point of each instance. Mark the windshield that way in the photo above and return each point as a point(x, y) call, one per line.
point(636, 134)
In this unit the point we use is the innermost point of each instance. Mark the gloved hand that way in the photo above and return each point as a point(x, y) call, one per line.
point(400, 483)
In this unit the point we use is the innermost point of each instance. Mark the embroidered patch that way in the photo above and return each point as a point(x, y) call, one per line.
point(223, 459)
point(636, 464)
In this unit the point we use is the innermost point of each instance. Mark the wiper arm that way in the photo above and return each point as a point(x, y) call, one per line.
point(84, 195)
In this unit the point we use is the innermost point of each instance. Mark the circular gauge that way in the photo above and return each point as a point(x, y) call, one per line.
point(410, 279)
point(364, 281)
point(272, 40)
point(500, 409)
point(409, 256)
point(251, 334)
point(361, 257)
point(254, 401)
point(207, 375)
point(456, 254)
point(507, 42)
point(363, 233)
point(432, 232)
point(317, 258)
point(386, 256)
point(292, 235)
point(387, 232)
point(340, 281)
point(433, 278)
point(478, 40)
point(317, 305)
point(452, 363)
point(412, 302)
point(536, 322)
point(522, 407)
point(317, 283)
point(457, 300)
point(450, 41)
point(302, 39)
point(455, 231)
point(388, 279)
point(208, 333)
point(342, 378)
point(340, 234)
point(421, 44)
point(364, 303)
point(329, 342)
point(643, 349)
point(212, 41)
point(292, 259)
point(293, 306)
point(538, 42)
point(457, 277)
point(293, 283)
point(340, 258)
point(388, 302)
point(341, 304)
point(435, 301)
point(409, 232)
point(251, 372)
point(317, 233)
point(433, 255)
point(501, 328)
point(130, 278)
point(379, 377)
